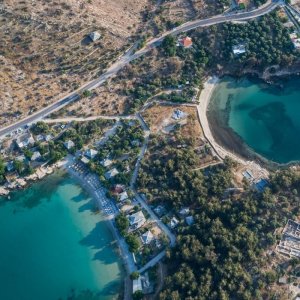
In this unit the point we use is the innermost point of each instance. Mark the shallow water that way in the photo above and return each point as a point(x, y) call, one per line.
point(53, 246)
point(267, 118)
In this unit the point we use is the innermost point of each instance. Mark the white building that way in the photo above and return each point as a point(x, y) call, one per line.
point(178, 114)
point(94, 36)
point(69, 144)
point(184, 211)
point(25, 140)
point(137, 220)
point(173, 223)
point(106, 162)
point(147, 237)
point(123, 196)
point(35, 156)
point(111, 173)
point(91, 153)
point(239, 49)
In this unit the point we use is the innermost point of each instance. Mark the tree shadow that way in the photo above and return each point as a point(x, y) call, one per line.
point(97, 242)
point(88, 206)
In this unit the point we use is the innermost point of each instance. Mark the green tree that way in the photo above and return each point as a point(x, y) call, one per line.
point(122, 223)
point(133, 243)
point(169, 45)
point(134, 275)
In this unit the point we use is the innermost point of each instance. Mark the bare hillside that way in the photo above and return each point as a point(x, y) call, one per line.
point(45, 51)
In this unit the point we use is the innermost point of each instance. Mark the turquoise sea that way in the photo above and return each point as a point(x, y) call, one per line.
point(54, 246)
point(265, 117)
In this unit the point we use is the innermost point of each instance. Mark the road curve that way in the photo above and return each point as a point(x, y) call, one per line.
point(128, 57)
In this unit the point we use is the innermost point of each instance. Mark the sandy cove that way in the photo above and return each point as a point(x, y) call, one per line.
point(220, 151)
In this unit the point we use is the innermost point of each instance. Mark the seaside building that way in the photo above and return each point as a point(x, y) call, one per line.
point(35, 156)
point(123, 196)
point(111, 173)
point(106, 162)
point(91, 153)
point(69, 144)
point(137, 220)
point(147, 237)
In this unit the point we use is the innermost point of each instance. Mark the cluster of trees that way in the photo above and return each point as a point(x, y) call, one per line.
point(79, 133)
point(168, 177)
point(2, 170)
point(125, 142)
point(221, 256)
point(267, 42)
point(131, 239)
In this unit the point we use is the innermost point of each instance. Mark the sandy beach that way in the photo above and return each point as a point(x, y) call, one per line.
point(220, 151)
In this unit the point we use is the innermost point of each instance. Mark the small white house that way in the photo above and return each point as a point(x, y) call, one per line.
point(25, 140)
point(137, 220)
point(173, 223)
point(69, 144)
point(91, 153)
point(10, 166)
point(111, 173)
point(178, 114)
point(123, 196)
point(184, 211)
point(239, 49)
point(106, 162)
point(147, 237)
point(48, 137)
point(94, 36)
point(35, 156)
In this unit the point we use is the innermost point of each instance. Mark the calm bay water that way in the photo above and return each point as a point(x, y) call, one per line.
point(54, 247)
point(267, 118)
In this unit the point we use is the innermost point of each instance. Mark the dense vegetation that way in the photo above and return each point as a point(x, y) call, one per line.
point(222, 255)
point(266, 40)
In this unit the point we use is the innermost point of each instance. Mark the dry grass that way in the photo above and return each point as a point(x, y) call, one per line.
point(45, 53)
point(160, 116)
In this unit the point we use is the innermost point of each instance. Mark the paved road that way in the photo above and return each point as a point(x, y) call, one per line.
point(128, 57)
point(77, 119)
point(152, 262)
point(162, 226)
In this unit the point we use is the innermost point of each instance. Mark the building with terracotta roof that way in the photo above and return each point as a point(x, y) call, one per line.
point(186, 42)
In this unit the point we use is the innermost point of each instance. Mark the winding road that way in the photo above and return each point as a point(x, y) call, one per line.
point(130, 56)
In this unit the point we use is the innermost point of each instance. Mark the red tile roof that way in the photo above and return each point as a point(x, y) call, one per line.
point(186, 42)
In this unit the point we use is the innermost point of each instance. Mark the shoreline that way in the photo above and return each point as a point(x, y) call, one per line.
point(237, 150)
point(64, 165)
point(124, 252)
point(21, 183)
point(220, 150)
